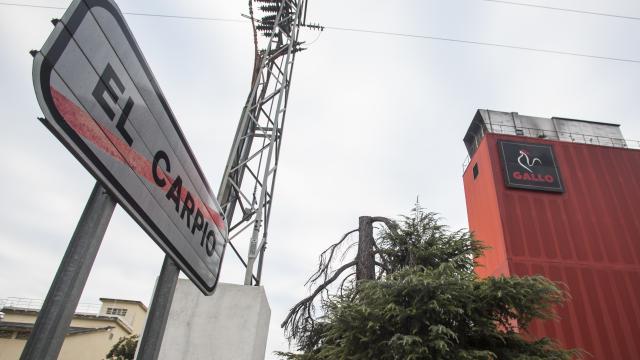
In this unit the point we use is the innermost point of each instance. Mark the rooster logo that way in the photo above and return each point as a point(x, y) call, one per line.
point(527, 162)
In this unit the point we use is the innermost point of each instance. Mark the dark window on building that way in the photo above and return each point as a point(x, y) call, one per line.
point(475, 171)
point(116, 311)
point(23, 335)
point(6, 334)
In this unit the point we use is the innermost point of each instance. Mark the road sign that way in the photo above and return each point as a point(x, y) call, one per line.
point(102, 102)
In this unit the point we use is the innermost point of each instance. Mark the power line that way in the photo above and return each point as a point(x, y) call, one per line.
point(133, 13)
point(557, 52)
point(576, 11)
point(186, 17)
point(33, 6)
point(513, 3)
point(388, 33)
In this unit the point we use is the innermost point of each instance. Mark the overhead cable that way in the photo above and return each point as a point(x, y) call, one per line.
point(513, 3)
point(134, 13)
point(576, 11)
point(377, 32)
point(470, 42)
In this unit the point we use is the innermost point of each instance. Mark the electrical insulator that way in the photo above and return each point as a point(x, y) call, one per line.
point(263, 27)
point(270, 8)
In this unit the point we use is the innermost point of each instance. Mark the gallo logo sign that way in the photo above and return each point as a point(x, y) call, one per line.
point(530, 166)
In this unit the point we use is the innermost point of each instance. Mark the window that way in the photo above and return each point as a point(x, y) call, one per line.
point(117, 311)
point(23, 335)
point(6, 334)
point(475, 171)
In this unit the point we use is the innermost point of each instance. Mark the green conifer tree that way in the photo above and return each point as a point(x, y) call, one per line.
point(124, 349)
point(426, 303)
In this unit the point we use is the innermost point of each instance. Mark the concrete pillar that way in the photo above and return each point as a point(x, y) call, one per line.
point(231, 324)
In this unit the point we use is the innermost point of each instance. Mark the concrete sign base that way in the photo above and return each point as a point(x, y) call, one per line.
point(232, 324)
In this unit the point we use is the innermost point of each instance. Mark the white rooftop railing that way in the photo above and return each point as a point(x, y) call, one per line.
point(36, 304)
point(558, 136)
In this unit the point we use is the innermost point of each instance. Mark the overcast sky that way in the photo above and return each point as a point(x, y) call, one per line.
point(373, 121)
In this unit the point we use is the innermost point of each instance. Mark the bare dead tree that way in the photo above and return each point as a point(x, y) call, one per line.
point(301, 317)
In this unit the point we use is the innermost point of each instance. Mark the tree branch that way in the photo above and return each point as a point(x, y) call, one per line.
point(383, 266)
point(301, 316)
point(325, 261)
point(391, 225)
point(382, 257)
point(344, 280)
point(306, 302)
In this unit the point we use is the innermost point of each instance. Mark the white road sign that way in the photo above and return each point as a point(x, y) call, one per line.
point(102, 102)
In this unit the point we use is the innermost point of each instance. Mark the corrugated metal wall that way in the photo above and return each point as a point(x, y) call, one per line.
point(483, 212)
point(588, 238)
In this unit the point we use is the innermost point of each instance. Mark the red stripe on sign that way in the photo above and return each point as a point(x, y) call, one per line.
point(111, 144)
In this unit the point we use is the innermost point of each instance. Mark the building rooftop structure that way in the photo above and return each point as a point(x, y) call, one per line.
point(16, 311)
point(94, 329)
point(25, 328)
point(119, 310)
point(112, 300)
point(554, 128)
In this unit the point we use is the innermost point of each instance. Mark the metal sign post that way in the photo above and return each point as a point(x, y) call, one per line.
point(159, 311)
point(60, 304)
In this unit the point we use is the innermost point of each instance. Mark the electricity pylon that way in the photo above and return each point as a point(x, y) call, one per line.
point(246, 191)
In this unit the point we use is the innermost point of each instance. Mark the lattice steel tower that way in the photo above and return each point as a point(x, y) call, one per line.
point(246, 192)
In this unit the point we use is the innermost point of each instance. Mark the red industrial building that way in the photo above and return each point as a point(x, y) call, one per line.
point(561, 198)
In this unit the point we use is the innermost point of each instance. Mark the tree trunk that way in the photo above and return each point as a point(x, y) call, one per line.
point(365, 267)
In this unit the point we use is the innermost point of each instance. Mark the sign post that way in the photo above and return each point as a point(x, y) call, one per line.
point(159, 311)
point(54, 319)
